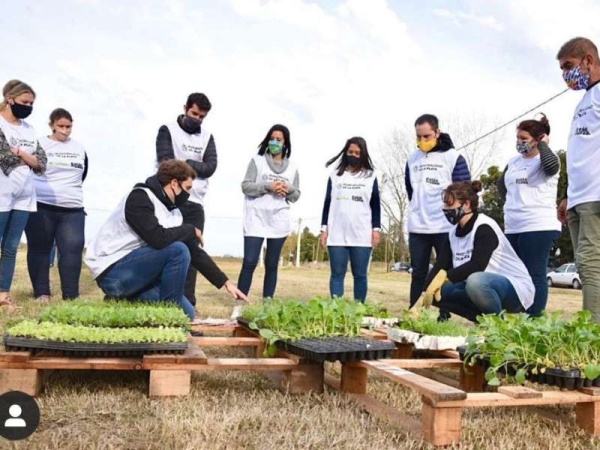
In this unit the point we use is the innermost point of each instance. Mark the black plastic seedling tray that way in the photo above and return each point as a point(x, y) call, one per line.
point(565, 379)
point(335, 348)
point(12, 343)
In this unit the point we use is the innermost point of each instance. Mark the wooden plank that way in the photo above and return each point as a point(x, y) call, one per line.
point(193, 355)
point(485, 399)
point(14, 356)
point(437, 377)
point(472, 378)
point(441, 426)
point(165, 383)
point(305, 377)
point(403, 351)
point(56, 362)
point(243, 332)
point(24, 380)
point(430, 363)
point(447, 353)
point(430, 388)
point(374, 334)
point(215, 327)
point(593, 391)
point(519, 392)
point(354, 379)
point(213, 341)
point(587, 417)
point(254, 364)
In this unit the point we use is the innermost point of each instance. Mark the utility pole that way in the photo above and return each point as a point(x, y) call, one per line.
point(298, 242)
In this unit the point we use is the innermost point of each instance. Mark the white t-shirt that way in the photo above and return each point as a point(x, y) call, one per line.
point(583, 150)
point(530, 197)
point(116, 239)
point(268, 216)
point(16, 190)
point(349, 223)
point(191, 146)
point(504, 260)
point(430, 173)
point(60, 185)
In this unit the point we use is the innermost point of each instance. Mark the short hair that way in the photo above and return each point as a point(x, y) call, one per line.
point(428, 118)
point(578, 47)
point(60, 113)
point(13, 89)
point(536, 128)
point(463, 191)
point(200, 100)
point(174, 169)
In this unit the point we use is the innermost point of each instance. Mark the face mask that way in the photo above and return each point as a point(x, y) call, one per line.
point(191, 125)
point(523, 147)
point(275, 147)
point(454, 215)
point(182, 197)
point(353, 161)
point(577, 80)
point(21, 111)
point(427, 146)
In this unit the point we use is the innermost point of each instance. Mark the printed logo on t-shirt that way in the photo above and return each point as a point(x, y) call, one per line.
point(463, 256)
point(582, 112)
point(521, 181)
point(64, 159)
point(429, 166)
point(357, 198)
point(192, 148)
point(433, 181)
point(14, 142)
point(582, 131)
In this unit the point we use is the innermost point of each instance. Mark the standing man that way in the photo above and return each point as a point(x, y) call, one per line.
point(430, 169)
point(580, 65)
point(186, 140)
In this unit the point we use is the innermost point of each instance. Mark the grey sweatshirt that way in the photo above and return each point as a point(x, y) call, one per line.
point(252, 188)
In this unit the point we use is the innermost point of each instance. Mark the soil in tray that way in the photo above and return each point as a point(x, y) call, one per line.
point(12, 343)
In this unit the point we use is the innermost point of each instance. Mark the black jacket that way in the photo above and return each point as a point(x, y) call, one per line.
point(139, 214)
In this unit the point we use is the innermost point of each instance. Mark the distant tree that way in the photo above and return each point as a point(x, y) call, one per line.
point(491, 203)
point(564, 243)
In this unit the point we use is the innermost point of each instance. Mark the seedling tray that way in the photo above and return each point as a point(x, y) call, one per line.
point(564, 379)
point(12, 343)
point(342, 349)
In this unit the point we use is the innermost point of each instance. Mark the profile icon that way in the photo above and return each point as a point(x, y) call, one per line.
point(15, 420)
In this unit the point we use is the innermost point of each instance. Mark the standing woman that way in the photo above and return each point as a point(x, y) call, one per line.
point(60, 216)
point(529, 184)
point(270, 185)
point(20, 153)
point(351, 222)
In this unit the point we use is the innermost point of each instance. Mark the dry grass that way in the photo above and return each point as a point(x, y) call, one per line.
point(106, 410)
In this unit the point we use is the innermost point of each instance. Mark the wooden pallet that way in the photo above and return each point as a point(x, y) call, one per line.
point(169, 375)
point(442, 404)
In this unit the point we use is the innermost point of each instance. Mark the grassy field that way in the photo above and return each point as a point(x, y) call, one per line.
point(111, 410)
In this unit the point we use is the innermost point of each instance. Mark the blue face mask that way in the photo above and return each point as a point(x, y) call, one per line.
point(275, 147)
point(523, 147)
point(577, 80)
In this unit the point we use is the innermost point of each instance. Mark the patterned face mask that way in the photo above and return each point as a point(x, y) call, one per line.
point(523, 147)
point(275, 147)
point(577, 80)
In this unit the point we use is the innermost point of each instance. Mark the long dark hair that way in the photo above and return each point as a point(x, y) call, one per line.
point(287, 145)
point(365, 159)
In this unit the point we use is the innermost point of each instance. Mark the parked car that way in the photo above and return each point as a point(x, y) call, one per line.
point(565, 275)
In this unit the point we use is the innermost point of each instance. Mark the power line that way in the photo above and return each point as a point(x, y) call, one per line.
point(514, 119)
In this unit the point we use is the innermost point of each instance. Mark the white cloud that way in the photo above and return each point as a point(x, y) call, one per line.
point(461, 17)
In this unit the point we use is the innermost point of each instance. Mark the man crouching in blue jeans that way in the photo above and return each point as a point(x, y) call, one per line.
point(143, 251)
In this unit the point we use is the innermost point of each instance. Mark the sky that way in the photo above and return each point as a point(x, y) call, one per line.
point(329, 70)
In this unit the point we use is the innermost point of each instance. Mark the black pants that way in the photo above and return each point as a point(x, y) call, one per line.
point(420, 246)
point(193, 213)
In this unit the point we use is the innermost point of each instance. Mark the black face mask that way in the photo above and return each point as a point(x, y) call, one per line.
point(182, 197)
point(353, 161)
point(190, 125)
point(21, 111)
point(454, 215)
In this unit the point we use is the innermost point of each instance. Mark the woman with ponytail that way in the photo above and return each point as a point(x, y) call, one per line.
point(477, 271)
point(351, 221)
point(20, 154)
point(529, 185)
point(270, 185)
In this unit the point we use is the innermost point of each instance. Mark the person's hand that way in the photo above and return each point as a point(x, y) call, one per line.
point(235, 292)
point(15, 151)
point(323, 239)
point(562, 212)
point(546, 139)
point(199, 237)
point(434, 290)
point(274, 186)
point(375, 238)
point(283, 189)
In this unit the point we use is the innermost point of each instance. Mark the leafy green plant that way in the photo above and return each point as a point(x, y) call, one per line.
point(98, 335)
point(120, 314)
point(373, 309)
point(425, 321)
point(521, 345)
point(279, 320)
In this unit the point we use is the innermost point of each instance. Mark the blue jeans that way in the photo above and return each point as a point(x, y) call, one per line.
point(359, 263)
point(151, 275)
point(482, 293)
point(420, 246)
point(12, 224)
point(67, 228)
point(534, 248)
point(252, 246)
